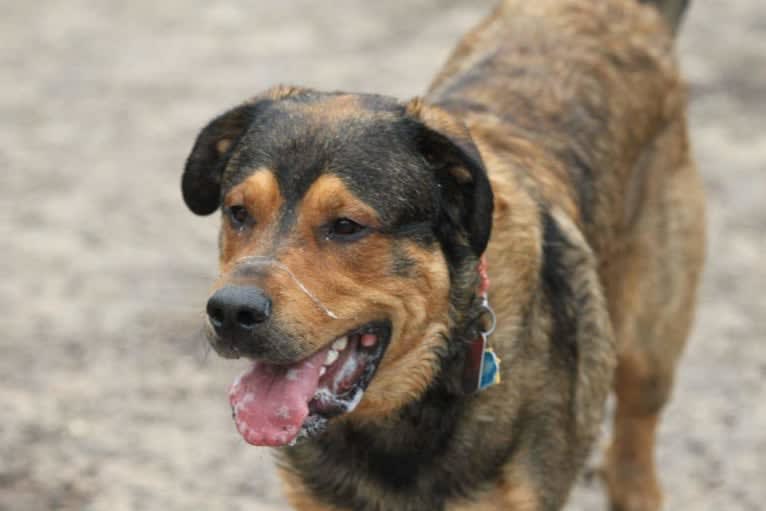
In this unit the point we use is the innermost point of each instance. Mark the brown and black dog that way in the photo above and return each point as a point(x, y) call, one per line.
point(553, 145)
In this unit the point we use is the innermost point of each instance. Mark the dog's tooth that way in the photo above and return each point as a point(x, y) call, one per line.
point(340, 344)
point(369, 340)
point(332, 356)
point(322, 371)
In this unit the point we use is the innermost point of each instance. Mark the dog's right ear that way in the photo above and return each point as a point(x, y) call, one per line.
point(201, 181)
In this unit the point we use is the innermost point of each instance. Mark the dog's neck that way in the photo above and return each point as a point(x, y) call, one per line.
point(391, 454)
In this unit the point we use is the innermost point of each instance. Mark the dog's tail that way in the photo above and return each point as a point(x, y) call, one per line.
point(671, 10)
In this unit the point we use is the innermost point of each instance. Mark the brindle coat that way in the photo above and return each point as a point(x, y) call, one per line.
point(576, 112)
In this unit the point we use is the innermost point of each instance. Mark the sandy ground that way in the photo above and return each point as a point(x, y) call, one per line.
point(109, 399)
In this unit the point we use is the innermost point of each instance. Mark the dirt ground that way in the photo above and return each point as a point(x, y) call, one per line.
point(109, 399)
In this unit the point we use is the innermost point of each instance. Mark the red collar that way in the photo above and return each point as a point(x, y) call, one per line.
point(482, 367)
point(484, 284)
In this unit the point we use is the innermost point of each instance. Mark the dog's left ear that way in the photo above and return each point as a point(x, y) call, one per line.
point(466, 195)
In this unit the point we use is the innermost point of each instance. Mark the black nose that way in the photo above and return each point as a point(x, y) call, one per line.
point(238, 309)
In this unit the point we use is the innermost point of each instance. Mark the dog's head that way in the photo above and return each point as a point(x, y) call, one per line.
point(347, 223)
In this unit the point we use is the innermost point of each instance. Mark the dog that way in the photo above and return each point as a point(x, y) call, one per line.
point(542, 191)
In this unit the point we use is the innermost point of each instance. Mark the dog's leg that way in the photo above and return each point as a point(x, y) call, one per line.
point(653, 291)
point(630, 472)
point(643, 384)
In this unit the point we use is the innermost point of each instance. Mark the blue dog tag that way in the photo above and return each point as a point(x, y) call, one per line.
point(482, 366)
point(490, 369)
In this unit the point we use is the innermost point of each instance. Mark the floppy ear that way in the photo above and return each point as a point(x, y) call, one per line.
point(466, 195)
point(201, 181)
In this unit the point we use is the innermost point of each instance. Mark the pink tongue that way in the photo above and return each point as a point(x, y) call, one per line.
point(270, 402)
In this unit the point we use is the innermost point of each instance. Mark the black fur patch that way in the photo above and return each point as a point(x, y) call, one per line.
point(403, 264)
point(412, 463)
point(559, 294)
point(581, 175)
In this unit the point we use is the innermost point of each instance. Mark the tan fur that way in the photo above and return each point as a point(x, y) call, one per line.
point(261, 196)
point(335, 109)
point(223, 145)
point(514, 491)
point(297, 495)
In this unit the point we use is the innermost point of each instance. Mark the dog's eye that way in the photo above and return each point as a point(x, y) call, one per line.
point(344, 229)
point(238, 215)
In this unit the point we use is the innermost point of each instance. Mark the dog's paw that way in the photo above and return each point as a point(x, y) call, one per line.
point(637, 501)
point(631, 490)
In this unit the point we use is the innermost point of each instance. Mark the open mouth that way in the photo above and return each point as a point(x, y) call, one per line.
point(278, 404)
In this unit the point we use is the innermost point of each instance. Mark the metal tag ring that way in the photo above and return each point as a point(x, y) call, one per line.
point(493, 318)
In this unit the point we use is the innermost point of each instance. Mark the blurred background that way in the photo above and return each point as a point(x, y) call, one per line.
point(109, 398)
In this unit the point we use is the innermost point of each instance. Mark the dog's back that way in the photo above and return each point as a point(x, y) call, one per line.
point(582, 87)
